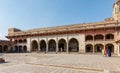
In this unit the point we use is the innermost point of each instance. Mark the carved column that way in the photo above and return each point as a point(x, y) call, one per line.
point(104, 38)
point(67, 42)
point(30, 42)
point(46, 42)
point(93, 40)
point(57, 44)
point(38, 43)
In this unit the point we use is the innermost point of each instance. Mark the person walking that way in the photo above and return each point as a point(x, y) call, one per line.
point(109, 52)
point(105, 52)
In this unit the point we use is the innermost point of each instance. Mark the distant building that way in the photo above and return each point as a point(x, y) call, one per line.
point(79, 38)
point(5, 46)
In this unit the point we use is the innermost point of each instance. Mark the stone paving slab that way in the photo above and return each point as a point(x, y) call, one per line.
point(56, 63)
point(75, 61)
point(23, 68)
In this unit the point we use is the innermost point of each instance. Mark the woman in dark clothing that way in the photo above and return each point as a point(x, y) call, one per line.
point(109, 52)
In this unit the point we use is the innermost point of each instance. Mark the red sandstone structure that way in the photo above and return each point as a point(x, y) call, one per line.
point(5, 46)
point(81, 38)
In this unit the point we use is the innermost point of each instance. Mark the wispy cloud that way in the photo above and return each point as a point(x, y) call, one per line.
point(2, 36)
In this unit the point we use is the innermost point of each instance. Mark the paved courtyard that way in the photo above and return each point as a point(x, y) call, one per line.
point(59, 63)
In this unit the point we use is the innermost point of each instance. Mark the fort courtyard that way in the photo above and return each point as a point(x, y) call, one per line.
point(75, 48)
point(76, 38)
point(59, 63)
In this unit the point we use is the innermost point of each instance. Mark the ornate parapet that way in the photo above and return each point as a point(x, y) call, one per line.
point(109, 19)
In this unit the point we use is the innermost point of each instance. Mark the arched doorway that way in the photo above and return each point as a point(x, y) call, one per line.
point(89, 48)
point(111, 46)
point(5, 48)
point(25, 41)
point(34, 46)
point(16, 49)
point(20, 49)
point(52, 46)
point(1, 49)
point(73, 45)
point(25, 48)
point(15, 42)
point(42, 46)
point(20, 41)
point(62, 45)
point(98, 47)
point(11, 49)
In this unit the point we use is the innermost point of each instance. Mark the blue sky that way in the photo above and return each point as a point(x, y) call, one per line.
point(29, 14)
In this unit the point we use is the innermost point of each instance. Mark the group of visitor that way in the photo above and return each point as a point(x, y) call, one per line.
point(106, 52)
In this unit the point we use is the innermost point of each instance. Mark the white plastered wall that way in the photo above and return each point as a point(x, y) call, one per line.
point(79, 37)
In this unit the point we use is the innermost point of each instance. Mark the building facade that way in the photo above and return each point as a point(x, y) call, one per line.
point(5, 46)
point(79, 38)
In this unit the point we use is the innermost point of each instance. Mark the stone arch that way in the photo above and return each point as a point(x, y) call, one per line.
point(20, 48)
point(1, 49)
point(5, 48)
point(62, 45)
point(20, 40)
point(109, 36)
point(15, 42)
point(11, 49)
point(98, 47)
point(16, 49)
point(99, 37)
point(24, 48)
point(89, 37)
point(52, 46)
point(34, 46)
point(73, 45)
point(25, 40)
point(89, 48)
point(111, 46)
point(42, 46)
